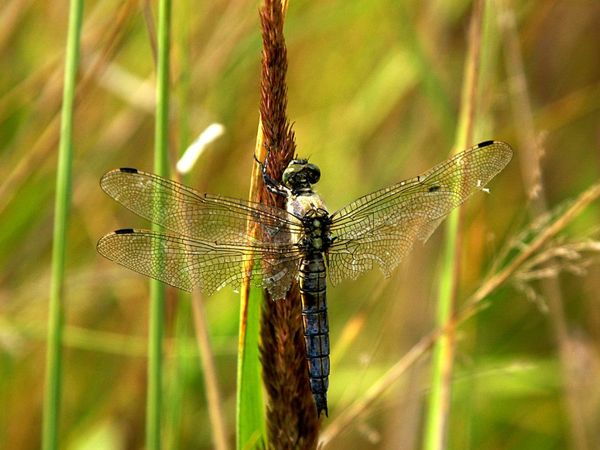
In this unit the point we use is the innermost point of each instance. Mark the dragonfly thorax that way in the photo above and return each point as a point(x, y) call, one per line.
point(309, 209)
point(317, 237)
point(299, 175)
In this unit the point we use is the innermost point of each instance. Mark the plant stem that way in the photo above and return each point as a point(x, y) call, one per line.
point(61, 213)
point(443, 354)
point(215, 409)
point(157, 289)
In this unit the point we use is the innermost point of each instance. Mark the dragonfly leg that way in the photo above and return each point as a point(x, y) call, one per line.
point(271, 183)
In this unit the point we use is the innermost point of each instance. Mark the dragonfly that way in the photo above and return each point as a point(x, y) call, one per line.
point(215, 241)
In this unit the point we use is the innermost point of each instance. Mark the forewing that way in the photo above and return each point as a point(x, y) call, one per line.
point(185, 211)
point(194, 264)
point(382, 226)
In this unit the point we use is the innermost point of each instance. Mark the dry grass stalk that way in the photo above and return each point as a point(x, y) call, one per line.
point(214, 398)
point(530, 156)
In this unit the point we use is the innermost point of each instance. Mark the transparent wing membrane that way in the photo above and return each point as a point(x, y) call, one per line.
point(382, 226)
point(209, 245)
point(193, 264)
point(185, 211)
point(212, 236)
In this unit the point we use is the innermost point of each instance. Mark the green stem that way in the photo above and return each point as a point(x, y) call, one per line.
point(443, 354)
point(443, 351)
point(181, 364)
point(157, 290)
point(61, 213)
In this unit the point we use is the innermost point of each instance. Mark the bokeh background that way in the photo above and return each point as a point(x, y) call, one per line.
point(374, 94)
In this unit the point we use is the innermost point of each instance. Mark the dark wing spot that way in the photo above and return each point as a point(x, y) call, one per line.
point(485, 144)
point(434, 188)
point(128, 170)
point(124, 231)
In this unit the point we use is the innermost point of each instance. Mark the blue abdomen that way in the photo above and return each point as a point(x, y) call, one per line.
point(316, 327)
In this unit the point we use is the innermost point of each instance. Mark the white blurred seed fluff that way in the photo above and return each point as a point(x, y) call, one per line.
point(193, 152)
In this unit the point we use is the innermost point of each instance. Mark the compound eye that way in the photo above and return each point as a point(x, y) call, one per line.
point(290, 173)
point(313, 173)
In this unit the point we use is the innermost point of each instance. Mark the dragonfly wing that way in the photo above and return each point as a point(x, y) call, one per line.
point(186, 211)
point(382, 226)
point(193, 264)
point(384, 244)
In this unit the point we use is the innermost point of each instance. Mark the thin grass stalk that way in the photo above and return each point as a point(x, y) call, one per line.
point(493, 282)
point(192, 304)
point(443, 354)
point(183, 310)
point(157, 289)
point(530, 156)
point(178, 369)
point(203, 344)
point(61, 215)
point(215, 410)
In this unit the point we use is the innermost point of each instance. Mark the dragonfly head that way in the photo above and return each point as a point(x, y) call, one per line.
point(300, 174)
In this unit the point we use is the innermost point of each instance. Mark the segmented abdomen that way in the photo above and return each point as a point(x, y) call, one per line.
point(316, 327)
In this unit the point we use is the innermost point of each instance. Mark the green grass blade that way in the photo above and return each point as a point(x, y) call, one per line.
point(61, 213)
point(157, 289)
point(181, 364)
point(443, 354)
point(155, 335)
point(443, 350)
point(250, 409)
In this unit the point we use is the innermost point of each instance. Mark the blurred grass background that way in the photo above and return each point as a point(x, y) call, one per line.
point(374, 89)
